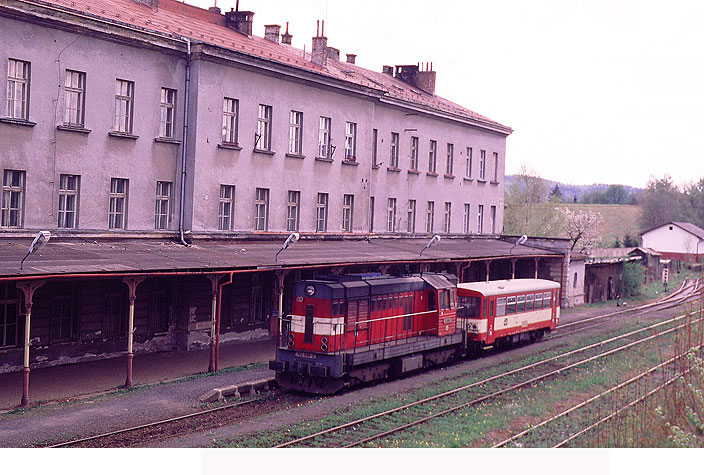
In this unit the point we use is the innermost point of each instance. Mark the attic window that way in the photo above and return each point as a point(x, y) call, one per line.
point(670, 228)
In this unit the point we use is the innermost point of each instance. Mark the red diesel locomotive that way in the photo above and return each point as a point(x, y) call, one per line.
point(348, 329)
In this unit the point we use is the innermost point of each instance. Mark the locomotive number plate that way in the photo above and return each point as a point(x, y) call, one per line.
point(447, 320)
point(310, 356)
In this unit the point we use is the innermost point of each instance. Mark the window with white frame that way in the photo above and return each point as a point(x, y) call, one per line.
point(411, 216)
point(375, 138)
point(168, 107)
point(230, 118)
point(448, 216)
point(467, 218)
point(321, 213)
point(263, 139)
point(492, 220)
point(468, 163)
point(17, 89)
point(9, 313)
point(225, 207)
point(261, 209)
point(12, 199)
point(394, 150)
point(482, 164)
point(295, 133)
point(68, 201)
point(414, 153)
point(391, 215)
point(430, 217)
point(350, 141)
point(450, 165)
point(324, 138)
point(347, 212)
point(293, 210)
point(433, 156)
point(117, 218)
point(496, 166)
point(162, 207)
point(124, 106)
point(74, 98)
point(480, 219)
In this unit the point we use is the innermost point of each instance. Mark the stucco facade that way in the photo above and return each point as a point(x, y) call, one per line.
point(679, 241)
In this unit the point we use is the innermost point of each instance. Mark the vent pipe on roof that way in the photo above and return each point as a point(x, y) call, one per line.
point(351, 58)
point(286, 38)
point(319, 54)
point(271, 33)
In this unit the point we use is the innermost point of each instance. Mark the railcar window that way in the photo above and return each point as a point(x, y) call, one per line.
point(529, 302)
point(501, 307)
point(546, 299)
point(468, 307)
point(511, 305)
point(538, 301)
point(521, 303)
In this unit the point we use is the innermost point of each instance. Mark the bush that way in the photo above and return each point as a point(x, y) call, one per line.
point(632, 279)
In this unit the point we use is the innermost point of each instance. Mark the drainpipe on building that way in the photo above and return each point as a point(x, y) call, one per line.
point(185, 140)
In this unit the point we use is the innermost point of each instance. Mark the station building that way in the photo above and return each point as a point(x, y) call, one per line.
point(169, 152)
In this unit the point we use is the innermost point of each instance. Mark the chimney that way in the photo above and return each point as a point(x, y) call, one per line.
point(286, 38)
point(319, 54)
point(239, 21)
point(351, 58)
point(151, 3)
point(271, 33)
point(215, 8)
point(333, 53)
point(415, 75)
point(387, 70)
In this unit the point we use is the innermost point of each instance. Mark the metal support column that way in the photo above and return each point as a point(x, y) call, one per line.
point(28, 290)
point(217, 326)
point(535, 259)
point(213, 320)
point(513, 268)
point(280, 276)
point(132, 283)
point(488, 266)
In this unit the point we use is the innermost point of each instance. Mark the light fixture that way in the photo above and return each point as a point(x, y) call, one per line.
point(293, 237)
point(520, 241)
point(433, 241)
point(38, 243)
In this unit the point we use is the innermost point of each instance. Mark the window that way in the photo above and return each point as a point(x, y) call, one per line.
point(350, 141)
point(467, 218)
point(321, 213)
point(9, 306)
point(482, 164)
point(411, 216)
point(430, 217)
point(375, 137)
point(371, 214)
point(391, 215)
point(414, 153)
point(521, 302)
point(124, 106)
point(263, 139)
point(492, 220)
point(433, 156)
point(450, 159)
point(18, 89)
point(293, 210)
point(324, 138)
point(501, 307)
point(394, 150)
point(158, 312)
point(230, 117)
point(511, 306)
point(114, 311)
point(74, 93)
point(347, 212)
point(61, 316)
point(468, 163)
point(162, 208)
point(12, 199)
point(448, 215)
point(168, 104)
point(117, 218)
point(480, 219)
point(574, 281)
point(225, 207)
point(68, 201)
point(295, 133)
point(261, 209)
point(529, 302)
point(496, 166)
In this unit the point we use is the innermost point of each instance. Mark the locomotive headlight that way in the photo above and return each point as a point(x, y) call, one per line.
point(310, 290)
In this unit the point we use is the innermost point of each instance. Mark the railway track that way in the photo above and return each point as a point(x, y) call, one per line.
point(363, 431)
point(243, 410)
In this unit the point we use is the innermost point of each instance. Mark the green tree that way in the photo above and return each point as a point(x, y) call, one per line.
point(661, 202)
point(615, 195)
point(527, 210)
point(556, 195)
point(632, 279)
point(693, 198)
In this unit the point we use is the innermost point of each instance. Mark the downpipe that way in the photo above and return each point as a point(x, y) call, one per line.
point(185, 141)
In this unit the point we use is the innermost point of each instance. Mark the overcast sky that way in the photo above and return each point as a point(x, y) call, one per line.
point(597, 91)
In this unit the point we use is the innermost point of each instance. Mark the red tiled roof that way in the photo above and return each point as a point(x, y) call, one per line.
point(180, 19)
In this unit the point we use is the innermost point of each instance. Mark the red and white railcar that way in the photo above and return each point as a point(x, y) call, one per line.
point(502, 311)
